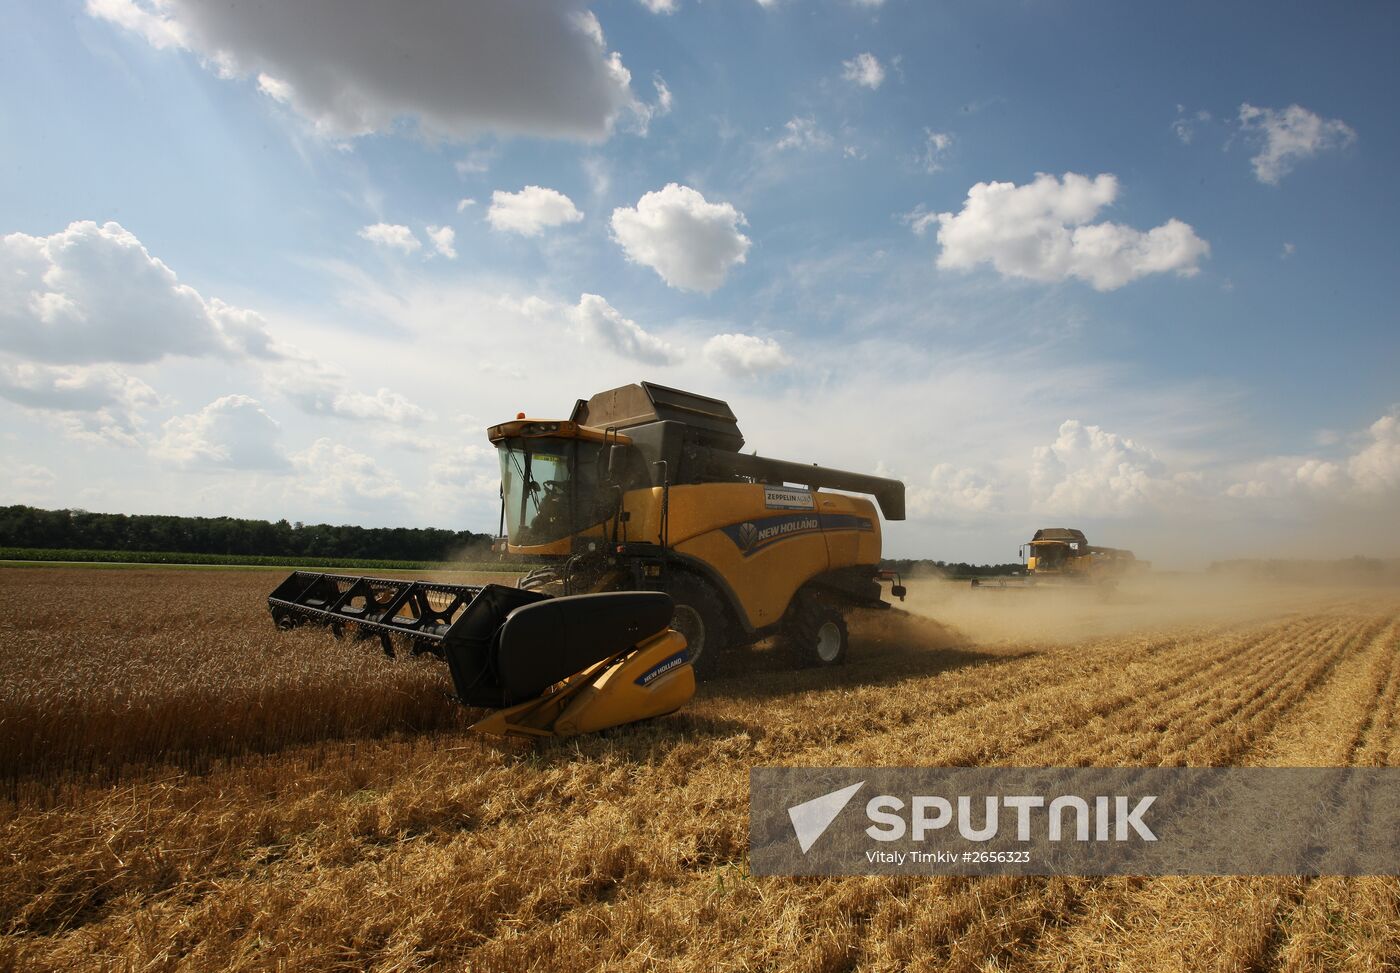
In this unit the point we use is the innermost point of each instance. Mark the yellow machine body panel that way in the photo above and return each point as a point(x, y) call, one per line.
point(763, 541)
point(1054, 558)
point(652, 681)
point(563, 547)
point(646, 482)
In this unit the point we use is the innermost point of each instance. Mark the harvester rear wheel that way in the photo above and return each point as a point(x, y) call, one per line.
point(815, 635)
point(700, 618)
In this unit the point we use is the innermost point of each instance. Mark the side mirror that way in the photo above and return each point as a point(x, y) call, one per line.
point(617, 461)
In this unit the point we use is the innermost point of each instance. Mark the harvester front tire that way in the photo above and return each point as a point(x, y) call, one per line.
point(700, 618)
point(816, 637)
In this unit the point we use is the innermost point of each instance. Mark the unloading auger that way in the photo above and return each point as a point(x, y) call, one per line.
point(546, 666)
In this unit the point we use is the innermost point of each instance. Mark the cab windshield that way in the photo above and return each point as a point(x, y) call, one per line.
point(549, 488)
point(1049, 555)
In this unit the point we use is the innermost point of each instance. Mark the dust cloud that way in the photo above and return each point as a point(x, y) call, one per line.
point(1149, 603)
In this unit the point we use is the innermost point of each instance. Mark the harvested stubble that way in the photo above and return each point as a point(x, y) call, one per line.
point(627, 850)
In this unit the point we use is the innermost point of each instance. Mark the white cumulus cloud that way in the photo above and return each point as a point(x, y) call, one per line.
point(468, 475)
point(919, 219)
point(1186, 123)
point(1290, 135)
point(90, 401)
point(353, 67)
point(391, 235)
point(1089, 471)
point(1376, 468)
point(1370, 473)
point(1043, 231)
point(935, 150)
point(337, 475)
point(864, 70)
point(691, 242)
point(384, 406)
point(643, 113)
point(952, 493)
point(531, 211)
point(745, 354)
point(73, 388)
point(93, 293)
point(603, 326)
point(477, 161)
point(1285, 476)
point(321, 389)
point(802, 132)
point(443, 239)
point(232, 432)
point(661, 6)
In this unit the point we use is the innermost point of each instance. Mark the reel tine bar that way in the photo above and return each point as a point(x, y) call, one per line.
point(422, 611)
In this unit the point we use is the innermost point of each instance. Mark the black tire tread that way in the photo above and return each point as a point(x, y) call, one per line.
point(798, 638)
point(689, 589)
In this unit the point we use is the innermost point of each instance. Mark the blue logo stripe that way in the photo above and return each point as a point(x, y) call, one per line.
point(754, 535)
point(661, 668)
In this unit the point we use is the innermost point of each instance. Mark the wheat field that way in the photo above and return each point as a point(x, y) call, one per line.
point(185, 788)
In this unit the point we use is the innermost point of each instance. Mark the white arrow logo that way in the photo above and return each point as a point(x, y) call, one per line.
point(810, 819)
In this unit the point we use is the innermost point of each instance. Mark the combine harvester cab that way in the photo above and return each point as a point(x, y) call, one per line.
point(546, 666)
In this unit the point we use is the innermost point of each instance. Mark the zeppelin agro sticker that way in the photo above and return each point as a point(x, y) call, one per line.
point(786, 498)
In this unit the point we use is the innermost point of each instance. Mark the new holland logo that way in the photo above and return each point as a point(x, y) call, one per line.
point(758, 534)
point(656, 671)
point(748, 536)
point(753, 536)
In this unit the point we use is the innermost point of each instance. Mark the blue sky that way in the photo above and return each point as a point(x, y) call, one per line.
point(1123, 267)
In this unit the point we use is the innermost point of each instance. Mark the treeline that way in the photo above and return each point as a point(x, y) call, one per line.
point(77, 529)
point(63, 555)
point(915, 567)
point(80, 531)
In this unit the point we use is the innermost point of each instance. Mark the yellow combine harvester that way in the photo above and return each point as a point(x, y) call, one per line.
point(655, 543)
point(1064, 554)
